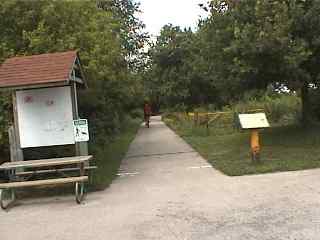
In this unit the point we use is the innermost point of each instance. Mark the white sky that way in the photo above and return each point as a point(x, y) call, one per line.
point(157, 13)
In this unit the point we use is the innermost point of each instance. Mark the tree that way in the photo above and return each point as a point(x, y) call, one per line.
point(258, 43)
point(242, 46)
point(53, 26)
point(130, 29)
point(306, 33)
point(176, 76)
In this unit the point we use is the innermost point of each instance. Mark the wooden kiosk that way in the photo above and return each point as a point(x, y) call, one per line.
point(44, 95)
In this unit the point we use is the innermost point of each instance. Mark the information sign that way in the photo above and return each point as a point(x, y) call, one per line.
point(253, 121)
point(81, 130)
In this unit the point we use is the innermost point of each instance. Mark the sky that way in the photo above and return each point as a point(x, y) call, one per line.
point(156, 13)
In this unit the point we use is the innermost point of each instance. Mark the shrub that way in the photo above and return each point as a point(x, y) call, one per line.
point(137, 113)
point(281, 109)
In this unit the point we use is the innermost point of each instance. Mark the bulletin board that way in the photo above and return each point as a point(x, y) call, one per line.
point(45, 117)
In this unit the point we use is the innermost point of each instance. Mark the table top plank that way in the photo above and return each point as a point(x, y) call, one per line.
point(45, 162)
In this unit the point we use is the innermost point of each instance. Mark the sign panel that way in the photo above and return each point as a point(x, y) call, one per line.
point(45, 117)
point(81, 131)
point(252, 121)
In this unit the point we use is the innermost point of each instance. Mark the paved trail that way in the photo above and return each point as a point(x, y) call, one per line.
point(167, 191)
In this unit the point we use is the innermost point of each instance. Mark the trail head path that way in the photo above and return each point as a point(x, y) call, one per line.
point(167, 191)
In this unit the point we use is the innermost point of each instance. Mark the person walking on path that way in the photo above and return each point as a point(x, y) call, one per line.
point(147, 113)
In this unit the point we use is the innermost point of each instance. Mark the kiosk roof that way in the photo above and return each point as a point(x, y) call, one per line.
point(41, 70)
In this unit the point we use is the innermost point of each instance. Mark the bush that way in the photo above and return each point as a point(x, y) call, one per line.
point(281, 109)
point(137, 113)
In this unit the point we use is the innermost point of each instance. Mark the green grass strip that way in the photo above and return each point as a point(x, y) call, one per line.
point(286, 148)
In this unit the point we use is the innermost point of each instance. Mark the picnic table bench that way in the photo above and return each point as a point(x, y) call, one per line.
point(18, 182)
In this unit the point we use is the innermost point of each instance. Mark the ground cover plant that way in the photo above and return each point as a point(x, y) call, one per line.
point(109, 156)
point(286, 146)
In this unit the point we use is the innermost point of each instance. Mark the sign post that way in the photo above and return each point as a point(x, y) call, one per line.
point(255, 145)
point(81, 136)
point(254, 122)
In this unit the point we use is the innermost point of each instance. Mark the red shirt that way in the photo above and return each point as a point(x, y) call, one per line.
point(147, 109)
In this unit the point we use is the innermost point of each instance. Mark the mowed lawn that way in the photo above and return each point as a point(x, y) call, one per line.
point(285, 148)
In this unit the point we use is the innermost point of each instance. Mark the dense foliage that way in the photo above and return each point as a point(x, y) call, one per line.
point(242, 46)
point(106, 34)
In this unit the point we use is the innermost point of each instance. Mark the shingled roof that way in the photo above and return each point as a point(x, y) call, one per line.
point(52, 69)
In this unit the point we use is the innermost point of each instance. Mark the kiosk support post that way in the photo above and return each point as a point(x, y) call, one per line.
point(14, 133)
point(81, 147)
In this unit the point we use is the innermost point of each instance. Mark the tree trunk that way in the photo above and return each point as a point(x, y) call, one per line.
point(306, 113)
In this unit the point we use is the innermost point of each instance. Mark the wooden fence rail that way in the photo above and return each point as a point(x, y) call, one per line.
point(207, 119)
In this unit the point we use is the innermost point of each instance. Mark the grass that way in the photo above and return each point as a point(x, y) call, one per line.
point(108, 157)
point(286, 148)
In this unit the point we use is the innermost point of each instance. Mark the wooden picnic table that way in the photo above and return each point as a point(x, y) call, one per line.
point(44, 163)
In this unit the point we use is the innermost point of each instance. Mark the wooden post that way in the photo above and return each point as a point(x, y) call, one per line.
point(81, 147)
point(207, 123)
point(82, 169)
point(196, 118)
point(255, 145)
point(15, 150)
point(17, 154)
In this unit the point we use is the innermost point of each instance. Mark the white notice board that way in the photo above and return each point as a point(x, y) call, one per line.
point(45, 117)
point(252, 121)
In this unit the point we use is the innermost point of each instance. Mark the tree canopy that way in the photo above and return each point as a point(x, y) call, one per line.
point(105, 33)
point(241, 46)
